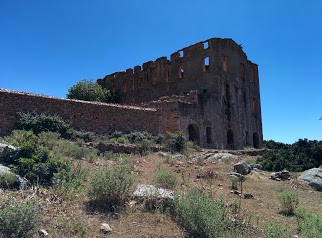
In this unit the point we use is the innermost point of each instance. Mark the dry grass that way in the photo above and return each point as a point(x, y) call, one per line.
point(69, 216)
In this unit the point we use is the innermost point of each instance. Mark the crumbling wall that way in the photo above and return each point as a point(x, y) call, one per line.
point(226, 113)
point(97, 117)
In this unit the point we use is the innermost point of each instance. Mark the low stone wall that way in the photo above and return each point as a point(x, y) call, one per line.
point(97, 117)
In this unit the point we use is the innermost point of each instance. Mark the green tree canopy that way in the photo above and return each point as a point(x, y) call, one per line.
point(88, 90)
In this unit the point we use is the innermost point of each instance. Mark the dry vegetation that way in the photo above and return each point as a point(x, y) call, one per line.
point(69, 215)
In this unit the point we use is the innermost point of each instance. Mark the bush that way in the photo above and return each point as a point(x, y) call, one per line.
point(310, 224)
point(122, 140)
point(165, 178)
point(18, 219)
point(41, 122)
point(275, 230)
point(38, 123)
point(203, 217)
point(70, 181)
point(110, 187)
point(69, 149)
point(289, 201)
point(176, 142)
point(146, 145)
point(32, 162)
point(8, 180)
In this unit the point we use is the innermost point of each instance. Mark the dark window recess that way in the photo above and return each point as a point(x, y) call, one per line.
point(181, 73)
point(181, 53)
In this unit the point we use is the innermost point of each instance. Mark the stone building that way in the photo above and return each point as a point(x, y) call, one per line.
point(209, 90)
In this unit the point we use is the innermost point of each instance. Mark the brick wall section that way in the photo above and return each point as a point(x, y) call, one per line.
point(97, 117)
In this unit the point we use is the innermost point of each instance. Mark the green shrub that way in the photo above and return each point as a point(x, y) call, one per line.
point(69, 149)
point(289, 201)
point(32, 162)
point(203, 217)
point(275, 230)
point(17, 218)
point(45, 122)
point(41, 122)
point(299, 156)
point(70, 181)
point(146, 145)
point(48, 139)
point(310, 224)
point(111, 186)
point(176, 142)
point(122, 140)
point(166, 178)
point(8, 180)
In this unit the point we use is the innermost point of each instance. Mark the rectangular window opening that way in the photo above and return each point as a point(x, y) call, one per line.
point(181, 73)
point(181, 53)
point(242, 71)
point(205, 45)
point(206, 63)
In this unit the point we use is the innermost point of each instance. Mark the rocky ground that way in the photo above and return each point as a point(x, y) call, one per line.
point(71, 216)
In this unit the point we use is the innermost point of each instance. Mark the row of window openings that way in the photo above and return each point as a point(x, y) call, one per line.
point(181, 74)
point(205, 46)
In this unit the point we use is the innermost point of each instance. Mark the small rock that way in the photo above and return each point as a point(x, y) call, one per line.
point(42, 233)
point(248, 196)
point(105, 228)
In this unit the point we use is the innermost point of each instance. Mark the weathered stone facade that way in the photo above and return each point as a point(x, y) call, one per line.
point(217, 102)
point(209, 90)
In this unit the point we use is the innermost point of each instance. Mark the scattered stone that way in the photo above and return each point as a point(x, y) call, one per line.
point(239, 176)
point(312, 177)
point(163, 154)
point(43, 233)
point(242, 167)
point(178, 156)
point(235, 192)
point(220, 156)
point(3, 146)
point(148, 191)
point(257, 166)
point(248, 196)
point(282, 175)
point(105, 228)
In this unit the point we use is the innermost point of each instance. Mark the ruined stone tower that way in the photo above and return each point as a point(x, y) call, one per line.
point(209, 90)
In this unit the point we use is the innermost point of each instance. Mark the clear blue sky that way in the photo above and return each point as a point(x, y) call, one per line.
point(48, 46)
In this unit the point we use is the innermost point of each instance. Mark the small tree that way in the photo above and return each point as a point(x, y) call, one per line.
point(88, 90)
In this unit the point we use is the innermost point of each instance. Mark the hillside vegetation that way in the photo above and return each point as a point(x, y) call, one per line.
point(74, 188)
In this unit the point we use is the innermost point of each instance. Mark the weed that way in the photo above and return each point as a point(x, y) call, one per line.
point(275, 230)
point(18, 219)
point(310, 224)
point(289, 201)
point(111, 186)
point(203, 217)
point(8, 180)
point(176, 142)
point(166, 178)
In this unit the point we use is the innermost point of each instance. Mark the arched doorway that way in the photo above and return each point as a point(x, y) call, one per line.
point(194, 133)
point(256, 140)
point(230, 139)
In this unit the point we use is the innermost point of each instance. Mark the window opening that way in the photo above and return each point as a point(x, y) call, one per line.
point(205, 45)
point(230, 139)
point(181, 53)
point(206, 63)
point(194, 133)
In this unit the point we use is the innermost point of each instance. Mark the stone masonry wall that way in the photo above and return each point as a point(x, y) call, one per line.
point(97, 117)
point(226, 112)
